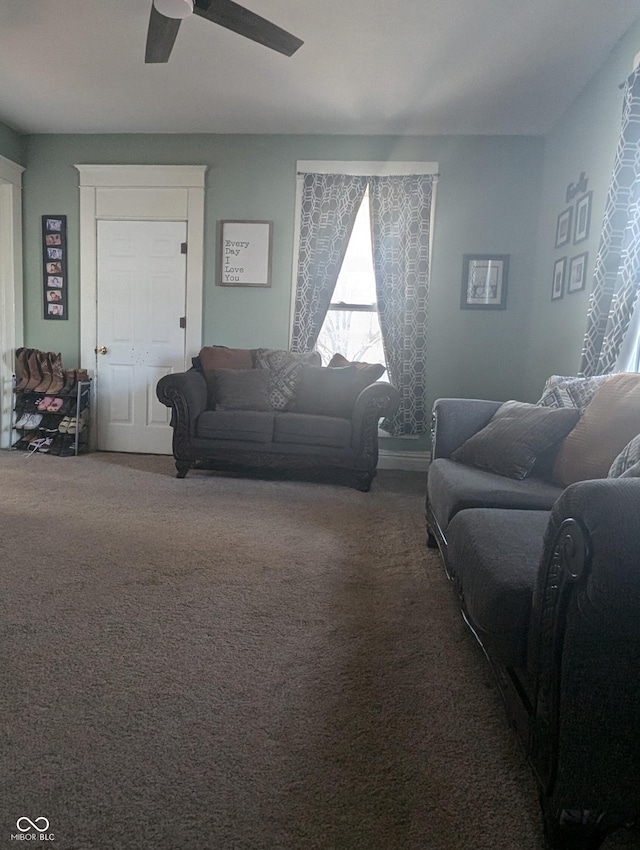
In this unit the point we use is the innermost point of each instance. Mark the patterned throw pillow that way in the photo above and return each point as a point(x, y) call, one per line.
point(566, 391)
point(286, 369)
point(628, 457)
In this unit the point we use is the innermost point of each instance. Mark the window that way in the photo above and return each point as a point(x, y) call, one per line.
point(352, 326)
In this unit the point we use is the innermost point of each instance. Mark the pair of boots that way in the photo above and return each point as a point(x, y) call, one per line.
point(40, 371)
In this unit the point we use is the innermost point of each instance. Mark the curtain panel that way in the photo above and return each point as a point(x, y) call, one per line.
point(330, 203)
point(616, 281)
point(400, 230)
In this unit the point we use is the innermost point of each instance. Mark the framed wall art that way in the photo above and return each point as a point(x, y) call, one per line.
point(245, 253)
point(583, 218)
point(577, 273)
point(557, 284)
point(563, 227)
point(484, 281)
point(54, 266)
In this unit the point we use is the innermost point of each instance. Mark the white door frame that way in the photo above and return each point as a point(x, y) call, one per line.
point(144, 193)
point(11, 310)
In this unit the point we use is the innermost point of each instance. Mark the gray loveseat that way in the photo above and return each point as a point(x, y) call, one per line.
point(548, 579)
point(270, 409)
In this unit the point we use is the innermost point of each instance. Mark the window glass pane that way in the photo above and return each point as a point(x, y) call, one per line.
point(356, 283)
point(355, 335)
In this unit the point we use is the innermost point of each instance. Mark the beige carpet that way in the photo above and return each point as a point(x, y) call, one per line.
point(237, 664)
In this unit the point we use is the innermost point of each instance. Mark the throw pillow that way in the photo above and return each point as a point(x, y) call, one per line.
point(242, 389)
point(221, 357)
point(562, 391)
point(515, 436)
point(610, 421)
point(368, 373)
point(632, 472)
point(628, 457)
point(285, 368)
point(327, 392)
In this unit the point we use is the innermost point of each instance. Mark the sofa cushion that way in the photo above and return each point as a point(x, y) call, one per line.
point(566, 391)
point(245, 425)
point(452, 487)
point(610, 421)
point(628, 457)
point(307, 430)
point(241, 389)
point(328, 391)
point(285, 369)
point(515, 436)
point(496, 554)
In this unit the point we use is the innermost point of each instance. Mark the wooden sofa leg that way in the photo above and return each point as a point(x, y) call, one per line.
point(183, 466)
point(363, 481)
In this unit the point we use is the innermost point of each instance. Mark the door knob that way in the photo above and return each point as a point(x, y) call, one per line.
point(101, 350)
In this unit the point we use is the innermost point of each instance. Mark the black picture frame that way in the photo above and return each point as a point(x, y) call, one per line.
point(563, 227)
point(484, 282)
point(583, 218)
point(557, 281)
point(55, 302)
point(577, 277)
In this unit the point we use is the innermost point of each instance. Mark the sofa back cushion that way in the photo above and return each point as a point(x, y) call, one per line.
point(241, 389)
point(367, 372)
point(610, 421)
point(212, 357)
point(515, 436)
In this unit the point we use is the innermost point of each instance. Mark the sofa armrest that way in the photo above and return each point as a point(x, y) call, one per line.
point(454, 420)
point(583, 643)
point(186, 394)
point(377, 401)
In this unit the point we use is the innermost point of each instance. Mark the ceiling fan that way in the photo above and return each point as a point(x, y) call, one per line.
point(166, 16)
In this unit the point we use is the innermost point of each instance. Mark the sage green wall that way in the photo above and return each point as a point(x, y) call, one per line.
point(584, 139)
point(11, 144)
point(487, 201)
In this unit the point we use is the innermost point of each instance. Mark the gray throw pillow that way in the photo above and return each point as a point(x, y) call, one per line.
point(285, 370)
point(632, 471)
point(628, 457)
point(241, 389)
point(327, 391)
point(515, 436)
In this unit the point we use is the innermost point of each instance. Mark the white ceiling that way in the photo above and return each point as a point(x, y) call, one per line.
point(366, 67)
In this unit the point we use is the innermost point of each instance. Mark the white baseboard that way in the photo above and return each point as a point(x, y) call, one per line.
point(407, 461)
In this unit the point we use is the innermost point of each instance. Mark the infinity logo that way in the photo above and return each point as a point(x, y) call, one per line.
point(40, 824)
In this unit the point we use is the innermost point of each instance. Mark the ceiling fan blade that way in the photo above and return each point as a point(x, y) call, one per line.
point(234, 17)
point(161, 36)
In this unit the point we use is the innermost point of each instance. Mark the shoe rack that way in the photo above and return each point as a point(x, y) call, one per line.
point(51, 405)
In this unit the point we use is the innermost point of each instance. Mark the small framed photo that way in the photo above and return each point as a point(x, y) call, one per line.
point(557, 285)
point(484, 281)
point(563, 227)
point(577, 273)
point(583, 218)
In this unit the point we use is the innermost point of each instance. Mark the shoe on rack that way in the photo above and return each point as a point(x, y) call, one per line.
point(25, 439)
point(64, 424)
point(35, 372)
point(44, 402)
point(22, 356)
point(68, 447)
point(55, 405)
point(46, 367)
point(29, 420)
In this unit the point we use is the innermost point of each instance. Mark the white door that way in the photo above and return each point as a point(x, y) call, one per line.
point(141, 290)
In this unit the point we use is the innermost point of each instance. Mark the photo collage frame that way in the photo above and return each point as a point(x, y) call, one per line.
point(54, 267)
point(572, 227)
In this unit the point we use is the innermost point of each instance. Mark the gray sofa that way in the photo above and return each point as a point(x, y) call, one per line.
point(295, 416)
point(548, 580)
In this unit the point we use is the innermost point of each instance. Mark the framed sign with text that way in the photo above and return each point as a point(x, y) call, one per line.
point(244, 249)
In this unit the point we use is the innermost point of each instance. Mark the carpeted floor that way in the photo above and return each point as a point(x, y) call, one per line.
point(236, 664)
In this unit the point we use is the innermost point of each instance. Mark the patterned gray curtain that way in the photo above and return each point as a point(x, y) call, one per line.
point(616, 281)
point(330, 203)
point(400, 225)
